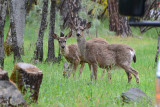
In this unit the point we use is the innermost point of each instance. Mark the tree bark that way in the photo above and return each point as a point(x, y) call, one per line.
point(59, 56)
point(19, 12)
point(29, 4)
point(17, 56)
point(117, 23)
point(8, 43)
point(51, 50)
point(69, 11)
point(38, 53)
point(3, 7)
point(74, 7)
point(64, 12)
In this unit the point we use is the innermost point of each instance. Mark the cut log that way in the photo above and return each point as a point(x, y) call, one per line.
point(27, 77)
point(134, 95)
point(3, 75)
point(10, 96)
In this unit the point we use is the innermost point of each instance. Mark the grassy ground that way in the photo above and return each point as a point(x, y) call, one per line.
point(58, 91)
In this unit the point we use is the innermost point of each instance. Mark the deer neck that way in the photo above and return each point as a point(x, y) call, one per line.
point(65, 51)
point(81, 42)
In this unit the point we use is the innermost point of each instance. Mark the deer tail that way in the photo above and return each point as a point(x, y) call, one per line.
point(134, 58)
point(133, 55)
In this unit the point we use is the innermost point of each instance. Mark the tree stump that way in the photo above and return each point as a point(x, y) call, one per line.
point(27, 77)
point(10, 96)
point(3, 75)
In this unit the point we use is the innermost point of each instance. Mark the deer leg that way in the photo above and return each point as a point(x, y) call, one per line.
point(70, 67)
point(92, 72)
point(132, 71)
point(137, 75)
point(89, 66)
point(109, 75)
point(81, 69)
point(129, 76)
point(75, 69)
point(103, 73)
point(65, 72)
point(95, 71)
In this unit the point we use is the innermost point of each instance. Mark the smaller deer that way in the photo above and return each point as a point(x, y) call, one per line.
point(70, 52)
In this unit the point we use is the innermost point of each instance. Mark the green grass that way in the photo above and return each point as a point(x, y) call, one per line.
point(58, 91)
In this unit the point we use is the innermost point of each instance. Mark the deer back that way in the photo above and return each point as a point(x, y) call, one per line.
point(108, 55)
point(98, 40)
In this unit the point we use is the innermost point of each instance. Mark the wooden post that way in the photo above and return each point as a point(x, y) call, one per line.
point(27, 77)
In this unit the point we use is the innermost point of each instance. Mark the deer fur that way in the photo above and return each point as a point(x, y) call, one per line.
point(105, 55)
point(72, 54)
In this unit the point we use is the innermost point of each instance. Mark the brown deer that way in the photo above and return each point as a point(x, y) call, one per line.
point(105, 56)
point(71, 53)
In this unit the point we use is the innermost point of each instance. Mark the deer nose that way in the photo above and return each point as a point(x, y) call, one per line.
point(78, 34)
point(63, 47)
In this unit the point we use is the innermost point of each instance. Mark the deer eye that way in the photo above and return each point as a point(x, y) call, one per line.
point(65, 41)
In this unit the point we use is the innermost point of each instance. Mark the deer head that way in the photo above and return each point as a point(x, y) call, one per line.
point(80, 29)
point(62, 39)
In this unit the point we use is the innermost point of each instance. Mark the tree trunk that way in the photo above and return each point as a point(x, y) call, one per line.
point(59, 56)
point(64, 11)
point(19, 12)
point(51, 50)
point(69, 11)
point(8, 45)
point(74, 7)
point(3, 7)
point(117, 23)
point(38, 53)
point(17, 56)
point(29, 4)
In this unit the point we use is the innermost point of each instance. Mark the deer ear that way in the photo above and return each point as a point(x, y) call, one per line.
point(71, 25)
point(88, 25)
point(61, 34)
point(55, 36)
point(69, 35)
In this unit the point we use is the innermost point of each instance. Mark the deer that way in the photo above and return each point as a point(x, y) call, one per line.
point(72, 54)
point(106, 56)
